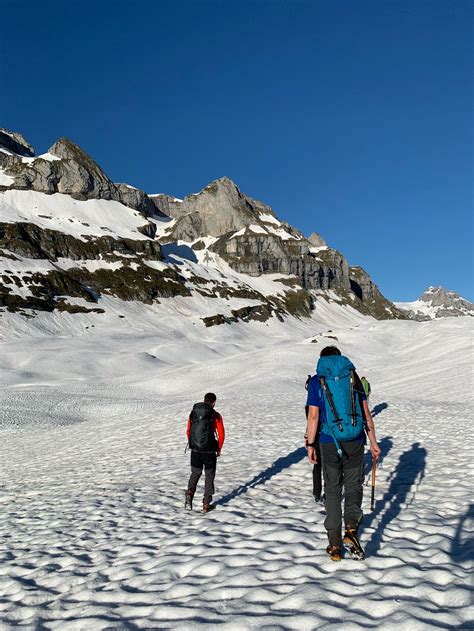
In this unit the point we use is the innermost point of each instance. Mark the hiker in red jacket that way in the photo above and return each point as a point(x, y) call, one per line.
point(206, 436)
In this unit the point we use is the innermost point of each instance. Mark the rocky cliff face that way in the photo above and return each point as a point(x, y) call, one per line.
point(257, 253)
point(437, 302)
point(67, 169)
point(219, 209)
point(253, 241)
point(449, 303)
point(250, 237)
point(218, 221)
point(372, 301)
point(15, 143)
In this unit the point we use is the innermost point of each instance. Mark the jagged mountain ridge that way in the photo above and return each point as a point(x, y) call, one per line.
point(438, 302)
point(60, 207)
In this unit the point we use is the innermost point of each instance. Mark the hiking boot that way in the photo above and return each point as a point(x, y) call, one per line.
point(188, 500)
point(349, 535)
point(352, 544)
point(206, 507)
point(334, 553)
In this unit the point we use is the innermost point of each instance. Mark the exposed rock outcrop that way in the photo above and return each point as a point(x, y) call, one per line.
point(72, 173)
point(220, 208)
point(316, 240)
point(31, 241)
point(438, 302)
point(137, 199)
point(16, 143)
point(449, 303)
point(68, 169)
point(256, 254)
point(167, 205)
point(250, 237)
point(128, 276)
point(372, 301)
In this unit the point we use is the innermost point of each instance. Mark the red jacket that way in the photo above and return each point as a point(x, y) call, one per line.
point(217, 426)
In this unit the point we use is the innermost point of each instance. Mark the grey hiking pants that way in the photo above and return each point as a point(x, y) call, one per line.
point(208, 460)
point(347, 472)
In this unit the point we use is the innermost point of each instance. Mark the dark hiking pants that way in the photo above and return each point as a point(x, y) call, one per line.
point(317, 469)
point(208, 461)
point(347, 472)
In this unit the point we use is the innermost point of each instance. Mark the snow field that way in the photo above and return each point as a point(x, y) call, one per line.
point(94, 535)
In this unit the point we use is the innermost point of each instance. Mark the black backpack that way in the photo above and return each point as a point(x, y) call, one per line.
point(201, 435)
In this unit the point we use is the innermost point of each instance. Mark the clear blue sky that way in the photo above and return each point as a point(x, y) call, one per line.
point(350, 118)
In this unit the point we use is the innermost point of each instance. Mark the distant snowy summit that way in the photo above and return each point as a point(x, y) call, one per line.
point(437, 302)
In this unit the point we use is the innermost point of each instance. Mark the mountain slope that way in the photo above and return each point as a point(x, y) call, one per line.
point(90, 237)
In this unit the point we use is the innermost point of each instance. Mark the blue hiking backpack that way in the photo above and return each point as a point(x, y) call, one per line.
point(341, 390)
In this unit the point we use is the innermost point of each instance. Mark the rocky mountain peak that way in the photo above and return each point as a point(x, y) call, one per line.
point(438, 302)
point(16, 143)
point(66, 149)
point(221, 183)
point(449, 302)
point(438, 296)
point(67, 169)
point(218, 209)
point(316, 240)
point(223, 188)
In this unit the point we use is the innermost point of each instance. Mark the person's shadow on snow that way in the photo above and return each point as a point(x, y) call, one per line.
point(410, 468)
point(462, 546)
point(277, 467)
point(380, 407)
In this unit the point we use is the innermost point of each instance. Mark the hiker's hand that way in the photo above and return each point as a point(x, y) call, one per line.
point(375, 450)
point(312, 457)
point(218, 453)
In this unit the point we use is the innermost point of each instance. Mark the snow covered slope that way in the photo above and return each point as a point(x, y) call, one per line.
point(61, 205)
point(80, 219)
point(93, 532)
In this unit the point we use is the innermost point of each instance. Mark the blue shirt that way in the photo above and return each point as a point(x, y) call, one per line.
point(316, 398)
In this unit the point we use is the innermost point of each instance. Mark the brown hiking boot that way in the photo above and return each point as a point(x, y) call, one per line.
point(352, 544)
point(334, 553)
point(206, 507)
point(350, 535)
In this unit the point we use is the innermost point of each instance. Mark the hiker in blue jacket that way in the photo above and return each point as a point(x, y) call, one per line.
point(337, 407)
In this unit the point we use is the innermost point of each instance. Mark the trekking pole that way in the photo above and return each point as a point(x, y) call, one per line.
point(372, 498)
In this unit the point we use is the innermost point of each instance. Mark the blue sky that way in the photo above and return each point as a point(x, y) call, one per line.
point(350, 118)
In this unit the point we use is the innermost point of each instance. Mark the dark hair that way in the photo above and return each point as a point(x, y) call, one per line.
point(210, 398)
point(329, 350)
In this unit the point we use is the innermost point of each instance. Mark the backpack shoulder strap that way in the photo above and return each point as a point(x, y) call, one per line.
point(337, 420)
point(353, 401)
point(328, 394)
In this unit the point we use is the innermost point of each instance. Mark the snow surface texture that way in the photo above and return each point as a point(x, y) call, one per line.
point(94, 535)
point(94, 217)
